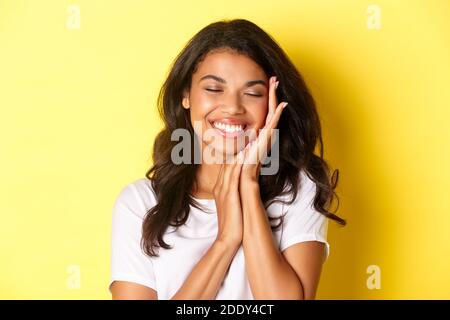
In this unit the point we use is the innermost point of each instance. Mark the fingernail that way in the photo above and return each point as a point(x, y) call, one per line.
point(276, 84)
point(285, 105)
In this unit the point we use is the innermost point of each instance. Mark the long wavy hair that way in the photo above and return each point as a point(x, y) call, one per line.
point(299, 132)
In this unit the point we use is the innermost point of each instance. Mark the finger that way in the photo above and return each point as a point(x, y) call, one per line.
point(266, 136)
point(240, 156)
point(228, 169)
point(269, 132)
point(219, 180)
point(272, 98)
point(250, 152)
point(276, 117)
point(237, 170)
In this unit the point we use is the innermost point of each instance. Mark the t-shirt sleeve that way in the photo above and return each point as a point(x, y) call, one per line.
point(302, 222)
point(128, 261)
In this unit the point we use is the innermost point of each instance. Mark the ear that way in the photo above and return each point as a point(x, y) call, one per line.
point(185, 102)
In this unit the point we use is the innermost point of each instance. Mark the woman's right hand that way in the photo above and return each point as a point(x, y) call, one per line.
point(228, 201)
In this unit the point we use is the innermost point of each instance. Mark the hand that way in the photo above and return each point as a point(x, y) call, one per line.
point(255, 150)
point(228, 201)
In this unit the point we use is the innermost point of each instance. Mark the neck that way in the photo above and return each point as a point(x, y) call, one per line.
point(206, 178)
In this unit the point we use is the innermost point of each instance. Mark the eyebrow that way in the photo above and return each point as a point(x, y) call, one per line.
point(221, 80)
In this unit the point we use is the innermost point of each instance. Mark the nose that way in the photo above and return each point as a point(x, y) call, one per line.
point(232, 105)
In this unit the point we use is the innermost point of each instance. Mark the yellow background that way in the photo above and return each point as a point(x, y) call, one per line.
point(78, 120)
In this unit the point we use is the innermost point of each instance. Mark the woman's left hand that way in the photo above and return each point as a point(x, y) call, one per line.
point(258, 148)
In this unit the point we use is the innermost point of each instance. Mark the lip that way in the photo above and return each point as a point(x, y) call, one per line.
point(229, 121)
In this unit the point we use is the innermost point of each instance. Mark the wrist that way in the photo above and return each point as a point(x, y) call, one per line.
point(226, 245)
point(249, 186)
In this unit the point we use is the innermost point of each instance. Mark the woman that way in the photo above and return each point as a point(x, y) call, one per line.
point(205, 229)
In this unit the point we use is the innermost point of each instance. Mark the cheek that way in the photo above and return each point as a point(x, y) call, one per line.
point(259, 114)
point(199, 112)
point(200, 106)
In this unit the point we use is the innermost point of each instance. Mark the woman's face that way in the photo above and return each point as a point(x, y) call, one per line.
point(228, 101)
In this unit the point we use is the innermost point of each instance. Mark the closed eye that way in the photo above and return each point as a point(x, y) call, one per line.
point(252, 95)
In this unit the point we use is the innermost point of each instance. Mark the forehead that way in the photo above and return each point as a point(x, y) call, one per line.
point(229, 65)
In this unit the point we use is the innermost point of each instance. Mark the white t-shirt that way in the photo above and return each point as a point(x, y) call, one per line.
point(166, 273)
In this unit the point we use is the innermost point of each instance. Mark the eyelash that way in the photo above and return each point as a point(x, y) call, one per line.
point(252, 95)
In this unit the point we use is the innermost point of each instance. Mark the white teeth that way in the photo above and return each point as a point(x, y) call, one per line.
point(228, 127)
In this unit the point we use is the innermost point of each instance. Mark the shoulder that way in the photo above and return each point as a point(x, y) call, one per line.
point(302, 209)
point(306, 190)
point(302, 221)
point(137, 197)
point(307, 186)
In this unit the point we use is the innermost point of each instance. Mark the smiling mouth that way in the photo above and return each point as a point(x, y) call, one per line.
point(229, 130)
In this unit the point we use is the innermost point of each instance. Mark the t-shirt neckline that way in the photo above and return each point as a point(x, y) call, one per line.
point(208, 202)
